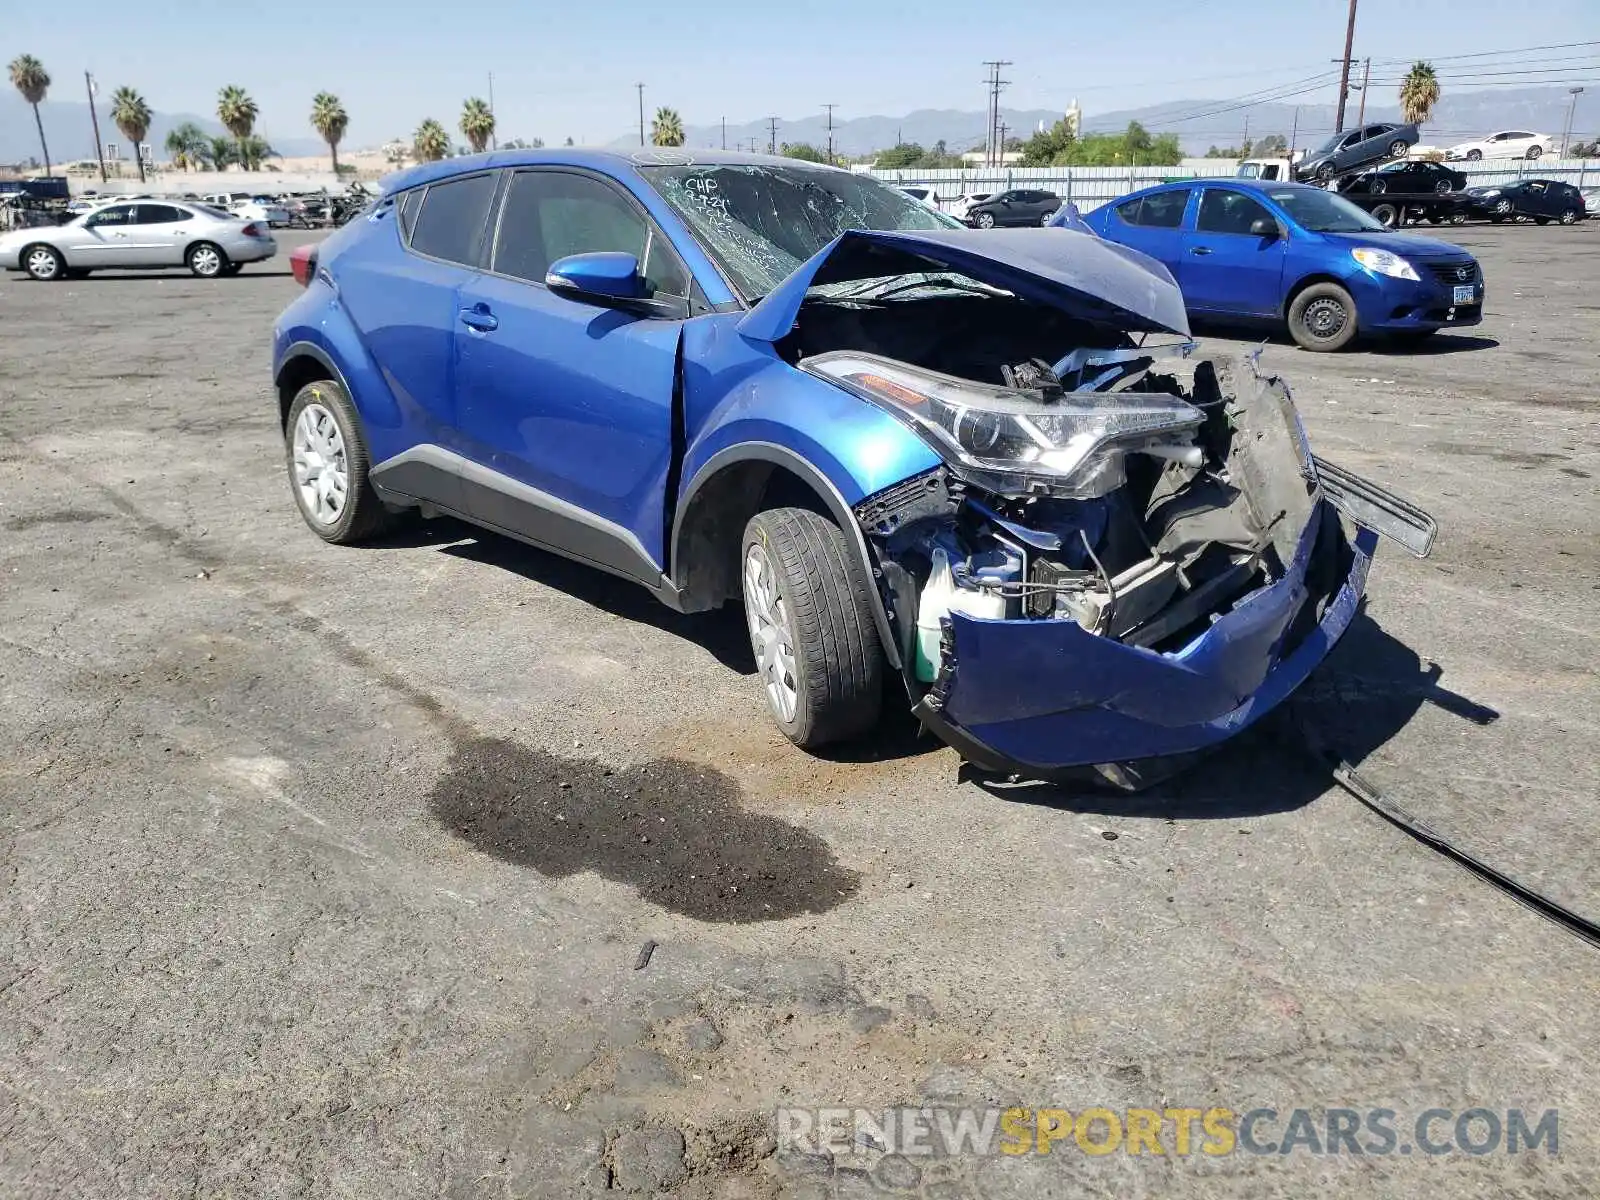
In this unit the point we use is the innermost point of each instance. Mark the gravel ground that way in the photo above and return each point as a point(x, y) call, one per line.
point(331, 871)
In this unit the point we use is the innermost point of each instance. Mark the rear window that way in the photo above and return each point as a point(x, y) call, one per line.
point(452, 217)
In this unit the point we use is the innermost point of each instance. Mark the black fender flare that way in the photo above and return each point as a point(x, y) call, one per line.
point(838, 508)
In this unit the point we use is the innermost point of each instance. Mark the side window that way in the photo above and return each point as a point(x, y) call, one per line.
point(116, 214)
point(1164, 210)
point(450, 224)
point(159, 214)
point(1128, 211)
point(406, 211)
point(1228, 212)
point(548, 215)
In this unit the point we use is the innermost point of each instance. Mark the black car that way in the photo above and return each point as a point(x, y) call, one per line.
point(1544, 200)
point(1345, 152)
point(1020, 206)
point(1408, 175)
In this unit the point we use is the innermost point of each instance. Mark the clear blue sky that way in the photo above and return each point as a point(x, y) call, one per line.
point(568, 69)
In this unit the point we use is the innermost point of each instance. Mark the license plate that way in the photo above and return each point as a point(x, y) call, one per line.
point(1464, 295)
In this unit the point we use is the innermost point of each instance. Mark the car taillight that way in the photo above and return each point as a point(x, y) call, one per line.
point(303, 264)
point(252, 230)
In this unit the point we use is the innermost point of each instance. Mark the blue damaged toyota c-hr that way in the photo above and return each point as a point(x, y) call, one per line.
point(977, 471)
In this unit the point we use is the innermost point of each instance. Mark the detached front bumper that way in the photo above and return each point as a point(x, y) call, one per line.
point(1042, 697)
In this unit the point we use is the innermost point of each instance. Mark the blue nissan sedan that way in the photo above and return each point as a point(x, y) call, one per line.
point(1285, 253)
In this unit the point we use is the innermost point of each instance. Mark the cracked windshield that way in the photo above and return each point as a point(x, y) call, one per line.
point(761, 222)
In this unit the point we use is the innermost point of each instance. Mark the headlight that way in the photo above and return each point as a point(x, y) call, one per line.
point(1016, 442)
point(1487, 191)
point(1384, 262)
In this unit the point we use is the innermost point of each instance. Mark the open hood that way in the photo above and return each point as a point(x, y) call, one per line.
point(1077, 273)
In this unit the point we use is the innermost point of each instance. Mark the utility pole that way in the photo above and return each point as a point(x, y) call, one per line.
point(1294, 132)
point(830, 108)
point(1344, 68)
point(724, 133)
point(1366, 76)
point(772, 132)
point(493, 142)
point(94, 120)
point(640, 86)
point(1246, 146)
point(1004, 129)
point(995, 83)
point(1572, 107)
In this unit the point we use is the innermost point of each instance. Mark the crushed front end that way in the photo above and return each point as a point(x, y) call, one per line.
point(1180, 578)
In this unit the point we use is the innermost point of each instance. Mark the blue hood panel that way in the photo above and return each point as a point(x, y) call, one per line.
point(1073, 271)
point(1411, 245)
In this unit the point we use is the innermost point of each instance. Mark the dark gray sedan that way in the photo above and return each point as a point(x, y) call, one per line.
point(1355, 148)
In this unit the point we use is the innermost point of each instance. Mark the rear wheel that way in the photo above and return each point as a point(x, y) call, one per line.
point(1323, 317)
point(984, 220)
point(44, 263)
point(206, 260)
point(328, 463)
point(1458, 218)
point(1570, 217)
point(811, 627)
point(1379, 187)
point(1534, 152)
point(1398, 148)
point(1474, 155)
point(1325, 172)
point(1386, 214)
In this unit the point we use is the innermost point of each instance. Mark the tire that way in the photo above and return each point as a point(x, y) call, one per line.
point(1474, 155)
point(1399, 149)
point(1534, 152)
point(1442, 188)
point(1045, 220)
point(357, 514)
point(1502, 208)
point(984, 220)
point(1379, 187)
point(1386, 214)
point(44, 263)
point(206, 260)
point(1323, 318)
point(1458, 218)
point(803, 595)
point(1570, 217)
point(1324, 173)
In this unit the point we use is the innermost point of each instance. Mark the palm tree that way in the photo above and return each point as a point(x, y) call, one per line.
point(330, 121)
point(1419, 92)
point(667, 128)
point(253, 150)
point(30, 78)
point(188, 146)
point(238, 113)
point(221, 153)
point(477, 123)
point(132, 115)
point(430, 143)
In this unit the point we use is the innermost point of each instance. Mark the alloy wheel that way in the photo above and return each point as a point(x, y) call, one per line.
point(768, 618)
point(205, 261)
point(42, 263)
point(321, 469)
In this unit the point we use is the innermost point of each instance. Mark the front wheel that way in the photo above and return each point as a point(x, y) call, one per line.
point(1386, 214)
point(328, 463)
point(1442, 188)
point(984, 221)
point(1324, 172)
point(205, 260)
point(1458, 218)
point(1398, 148)
point(1323, 317)
point(44, 263)
point(811, 627)
point(1474, 155)
point(1534, 152)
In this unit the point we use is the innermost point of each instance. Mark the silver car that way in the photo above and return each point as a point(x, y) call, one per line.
point(142, 235)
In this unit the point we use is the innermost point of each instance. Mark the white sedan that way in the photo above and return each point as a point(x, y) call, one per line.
point(1511, 143)
point(143, 235)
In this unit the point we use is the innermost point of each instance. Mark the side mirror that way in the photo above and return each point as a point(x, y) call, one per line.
point(609, 279)
point(1265, 227)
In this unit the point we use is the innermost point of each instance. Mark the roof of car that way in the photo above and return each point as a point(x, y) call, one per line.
point(595, 158)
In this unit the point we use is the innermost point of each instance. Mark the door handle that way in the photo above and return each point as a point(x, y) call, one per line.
point(479, 317)
point(1200, 250)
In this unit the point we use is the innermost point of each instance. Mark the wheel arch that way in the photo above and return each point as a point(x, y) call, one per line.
point(303, 363)
point(22, 254)
point(1310, 280)
point(731, 487)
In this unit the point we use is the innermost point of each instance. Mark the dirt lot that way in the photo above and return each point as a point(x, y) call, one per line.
point(256, 940)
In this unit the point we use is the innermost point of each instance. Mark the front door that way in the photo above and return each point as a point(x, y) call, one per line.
point(104, 239)
point(1225, 267)
point(565, 408)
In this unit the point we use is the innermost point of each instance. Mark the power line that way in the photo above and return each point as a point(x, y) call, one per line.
point(1438, 58)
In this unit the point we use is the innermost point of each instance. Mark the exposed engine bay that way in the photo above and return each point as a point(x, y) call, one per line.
point(1090, 475)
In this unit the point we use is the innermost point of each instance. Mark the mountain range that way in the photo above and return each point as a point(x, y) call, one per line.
point(1198, 123)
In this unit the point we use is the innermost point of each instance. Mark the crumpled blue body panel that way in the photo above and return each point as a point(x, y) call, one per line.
point(1046, 695)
